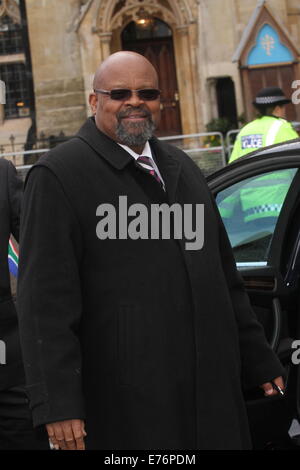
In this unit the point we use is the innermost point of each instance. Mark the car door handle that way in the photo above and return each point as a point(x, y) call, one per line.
point(277, 318)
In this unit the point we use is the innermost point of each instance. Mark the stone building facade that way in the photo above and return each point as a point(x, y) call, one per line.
point(212, 56)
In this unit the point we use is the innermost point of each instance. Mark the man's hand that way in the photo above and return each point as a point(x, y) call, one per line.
point(269, 388)
point(67, 435)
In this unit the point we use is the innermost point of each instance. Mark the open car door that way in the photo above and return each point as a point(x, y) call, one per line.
point(259, 201)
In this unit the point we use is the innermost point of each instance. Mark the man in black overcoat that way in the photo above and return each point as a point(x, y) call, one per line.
point(132, 341)
point(16, 429)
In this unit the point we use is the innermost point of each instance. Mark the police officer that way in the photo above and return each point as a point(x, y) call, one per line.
point(260, 199)
point(270, 127)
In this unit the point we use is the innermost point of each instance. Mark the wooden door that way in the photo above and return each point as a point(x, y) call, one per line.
point(280, 76)
point(161, 54)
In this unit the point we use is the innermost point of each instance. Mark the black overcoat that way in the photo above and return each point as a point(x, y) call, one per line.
point(12, 372)
point(148, 342)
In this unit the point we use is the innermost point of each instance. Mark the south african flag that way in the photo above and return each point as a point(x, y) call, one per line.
point(13, 258)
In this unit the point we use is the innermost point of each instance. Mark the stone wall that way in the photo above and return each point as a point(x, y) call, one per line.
point(66, 50)
point(57, 68)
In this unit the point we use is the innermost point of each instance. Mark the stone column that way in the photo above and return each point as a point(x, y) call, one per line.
point(196, 72)
point(105, 40)
point(185, 80)
point(212, 93)
point(2, 100)
point(1, 114)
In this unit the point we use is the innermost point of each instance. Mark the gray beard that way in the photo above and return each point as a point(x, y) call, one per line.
point(135, 133)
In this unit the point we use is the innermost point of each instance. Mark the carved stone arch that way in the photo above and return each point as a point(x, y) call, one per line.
point(184, 7)
point(131, 11)
point(11, 9)
point(178, 14)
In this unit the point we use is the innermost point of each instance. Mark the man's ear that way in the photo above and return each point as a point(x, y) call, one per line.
point(93, 100)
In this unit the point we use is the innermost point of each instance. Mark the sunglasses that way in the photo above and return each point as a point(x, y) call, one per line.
point(120, 94)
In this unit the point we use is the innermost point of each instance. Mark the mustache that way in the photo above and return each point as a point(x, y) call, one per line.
point(128, 112)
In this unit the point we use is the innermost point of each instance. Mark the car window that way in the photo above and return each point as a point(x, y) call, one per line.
point(250, 211)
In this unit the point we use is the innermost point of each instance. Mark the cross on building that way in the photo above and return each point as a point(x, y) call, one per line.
point(268, 43)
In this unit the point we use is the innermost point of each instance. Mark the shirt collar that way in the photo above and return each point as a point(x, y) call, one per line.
point(146, 152)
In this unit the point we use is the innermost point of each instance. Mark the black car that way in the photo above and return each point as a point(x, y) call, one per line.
point(259, 200)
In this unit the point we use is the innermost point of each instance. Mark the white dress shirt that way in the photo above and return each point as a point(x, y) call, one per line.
point(145, 153)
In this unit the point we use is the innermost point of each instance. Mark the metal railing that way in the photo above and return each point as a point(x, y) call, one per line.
point(22, 170)
point(229, 142)
point(22, 153)
point(210, 150)
point(207, 149)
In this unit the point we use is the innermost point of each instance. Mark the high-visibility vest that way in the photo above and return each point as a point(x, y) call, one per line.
point(261, 132)
point(263, 196)
point(260, 197)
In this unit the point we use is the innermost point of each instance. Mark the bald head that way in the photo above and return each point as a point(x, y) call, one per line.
point(131, 118)
point(123, 62)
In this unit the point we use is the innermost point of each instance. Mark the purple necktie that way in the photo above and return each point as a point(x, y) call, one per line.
point(146, 164)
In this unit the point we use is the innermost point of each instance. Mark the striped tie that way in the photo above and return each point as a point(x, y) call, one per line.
point(146, 164)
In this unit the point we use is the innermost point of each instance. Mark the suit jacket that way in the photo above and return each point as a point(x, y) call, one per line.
point(149, 342)
point(12, 372)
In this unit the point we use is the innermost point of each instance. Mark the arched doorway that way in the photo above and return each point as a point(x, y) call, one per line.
point(155, 42)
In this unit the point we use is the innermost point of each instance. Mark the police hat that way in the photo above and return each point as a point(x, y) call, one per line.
point(271, 96)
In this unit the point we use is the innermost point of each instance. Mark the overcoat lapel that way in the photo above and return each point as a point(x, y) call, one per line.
point(114, 154)
point(103, 145)
point(169, 167)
